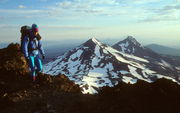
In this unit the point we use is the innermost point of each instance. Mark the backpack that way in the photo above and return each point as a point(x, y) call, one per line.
point(25, 31)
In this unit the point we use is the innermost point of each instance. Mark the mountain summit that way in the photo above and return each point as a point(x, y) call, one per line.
point(132, 41)
point(130, 46)
point(92, 42)
point(93, 65)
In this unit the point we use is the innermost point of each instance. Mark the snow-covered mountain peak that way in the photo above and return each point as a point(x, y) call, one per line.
point(92, 43)
point(93, 65)
point(96, 41)
point(129, 45)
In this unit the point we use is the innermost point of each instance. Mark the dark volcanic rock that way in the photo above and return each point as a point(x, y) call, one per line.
point(16, 86)
point(162, 96)
point(12, 60)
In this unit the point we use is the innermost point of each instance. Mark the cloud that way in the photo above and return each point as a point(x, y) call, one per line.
point(20, 11)
point(95, 10)
point(168, 12)
point(2, 17)
point(74, 5)
point(104, 2)
point(88, 7)
point(140, 2)
point(23, 14)
point(65, 4)
point(160, 19)
point(170, 8)
point(86, 3)
point(68, 27)
point(43, 0)
point(3, 1)
point(105, 7)
point(21, 6)
point(8, 26)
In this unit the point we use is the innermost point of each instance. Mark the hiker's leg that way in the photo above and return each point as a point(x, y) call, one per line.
point(38, 63)
point(32, 66)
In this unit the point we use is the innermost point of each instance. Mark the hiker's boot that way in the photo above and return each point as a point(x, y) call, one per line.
point(34, 78)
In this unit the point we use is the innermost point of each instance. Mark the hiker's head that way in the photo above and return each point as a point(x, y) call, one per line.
point(35, 29)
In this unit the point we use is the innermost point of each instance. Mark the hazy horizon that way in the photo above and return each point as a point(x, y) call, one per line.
point(77, 42)
point(149, 21)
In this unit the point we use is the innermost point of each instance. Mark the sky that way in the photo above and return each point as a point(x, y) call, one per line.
point(149, 21)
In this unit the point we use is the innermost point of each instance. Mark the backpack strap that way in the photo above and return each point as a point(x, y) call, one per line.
point(34, 39)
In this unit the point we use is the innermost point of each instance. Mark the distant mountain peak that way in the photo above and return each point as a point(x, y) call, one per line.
point(93, 38)
point(96, 41)
point(131, 46)
point(131, 40)
point(130, 37)
point(128, 45)
point(92, 42)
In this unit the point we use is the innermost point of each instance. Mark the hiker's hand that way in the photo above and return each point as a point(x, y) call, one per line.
point(43, 57)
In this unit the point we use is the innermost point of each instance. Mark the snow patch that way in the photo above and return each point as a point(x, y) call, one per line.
point(124, 72)
point(76, 54)
point(133, 71)
point(129, 80)
point(96, 41)
point(124, 46)
point(164, 63)
point(178, 68)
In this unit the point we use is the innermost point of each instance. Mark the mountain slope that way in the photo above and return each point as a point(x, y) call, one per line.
point(93, 65)
point(131, 46)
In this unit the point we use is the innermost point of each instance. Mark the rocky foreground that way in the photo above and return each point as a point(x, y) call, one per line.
point(57, 94)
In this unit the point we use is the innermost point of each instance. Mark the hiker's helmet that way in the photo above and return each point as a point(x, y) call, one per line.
point(35, 28)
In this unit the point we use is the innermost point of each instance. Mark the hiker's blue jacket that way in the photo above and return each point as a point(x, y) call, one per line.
point(31, 46)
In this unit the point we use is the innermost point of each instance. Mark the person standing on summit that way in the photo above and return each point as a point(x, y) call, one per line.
point(31, 46)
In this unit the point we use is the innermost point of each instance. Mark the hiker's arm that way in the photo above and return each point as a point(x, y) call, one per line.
point(25, 47)
point(41, 48)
